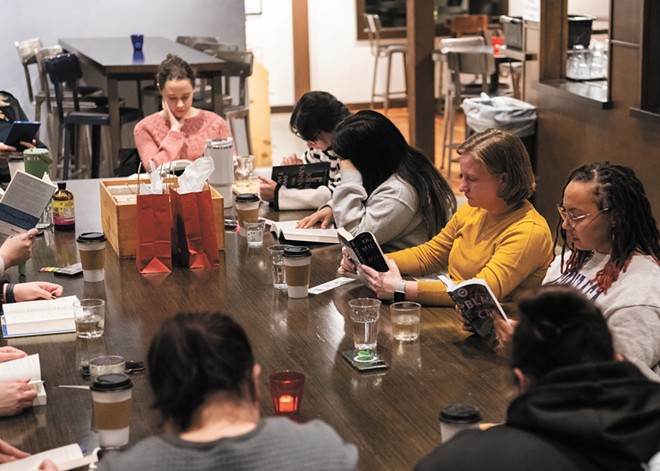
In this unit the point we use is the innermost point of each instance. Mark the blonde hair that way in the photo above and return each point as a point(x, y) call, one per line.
point(503, 153)
point(3, 100)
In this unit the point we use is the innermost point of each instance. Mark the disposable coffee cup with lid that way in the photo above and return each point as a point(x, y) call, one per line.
point(112, 398)
point(297, 260)
point(247, 208)
point(247, 200)
point(456, 418)
point(91, 247)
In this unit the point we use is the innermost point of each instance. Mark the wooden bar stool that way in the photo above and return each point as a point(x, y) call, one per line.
point(385, 51)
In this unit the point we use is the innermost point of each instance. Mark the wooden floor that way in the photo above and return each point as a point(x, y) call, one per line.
point(399, 117)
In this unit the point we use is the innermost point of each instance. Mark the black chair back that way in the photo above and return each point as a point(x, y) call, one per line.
point(64, 69)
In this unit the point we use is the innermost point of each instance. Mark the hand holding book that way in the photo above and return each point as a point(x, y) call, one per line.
point(479, 307)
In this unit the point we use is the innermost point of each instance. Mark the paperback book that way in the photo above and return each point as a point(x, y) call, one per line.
point(363, 249)
point(26, 367)
point(289, 231)
point(477, 304)
point(65, 458)
point(23, 203)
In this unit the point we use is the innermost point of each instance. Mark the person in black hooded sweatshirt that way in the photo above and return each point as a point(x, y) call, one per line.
point(579, 407)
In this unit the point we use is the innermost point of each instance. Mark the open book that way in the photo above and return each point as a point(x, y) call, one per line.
point(65, 457)
point(27, 367)
point(23, 203)
point(477, 304)
point(302, 176)
point(52, 316)
point(288, 230)
point(364, 249)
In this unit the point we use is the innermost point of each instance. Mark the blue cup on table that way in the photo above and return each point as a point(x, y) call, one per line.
point(138, 41)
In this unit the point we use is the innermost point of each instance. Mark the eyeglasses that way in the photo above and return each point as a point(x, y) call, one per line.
point(572, 220)
point(313, 138)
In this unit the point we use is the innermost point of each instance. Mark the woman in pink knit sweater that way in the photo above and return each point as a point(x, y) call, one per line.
point(179, 130)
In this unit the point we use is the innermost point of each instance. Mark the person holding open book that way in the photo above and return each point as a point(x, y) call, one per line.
point(611, 253)
point(314, 119)
point(387, 187)
point(498, 236)
point(14, 395)
point(579, 406)
point(18, 395)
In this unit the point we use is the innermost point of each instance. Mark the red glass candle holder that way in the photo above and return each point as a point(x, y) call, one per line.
point(286, 389)
point(498, 42)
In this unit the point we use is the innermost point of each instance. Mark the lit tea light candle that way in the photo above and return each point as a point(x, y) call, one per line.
point(286, 403)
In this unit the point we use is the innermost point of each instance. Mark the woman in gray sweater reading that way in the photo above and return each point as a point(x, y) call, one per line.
point(388, 187)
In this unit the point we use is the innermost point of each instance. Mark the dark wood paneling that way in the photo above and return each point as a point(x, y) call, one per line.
point(571, 134)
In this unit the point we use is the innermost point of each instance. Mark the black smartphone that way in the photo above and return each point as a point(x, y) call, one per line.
point(134, 366)
point(362, 362)
point(70, 270)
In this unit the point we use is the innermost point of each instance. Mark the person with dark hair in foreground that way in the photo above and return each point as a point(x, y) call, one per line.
point(578, 409)
point(204, 380)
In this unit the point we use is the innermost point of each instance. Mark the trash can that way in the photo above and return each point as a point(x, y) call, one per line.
point(506, 113)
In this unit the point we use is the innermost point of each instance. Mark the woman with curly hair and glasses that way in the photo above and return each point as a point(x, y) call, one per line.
point(611, 253)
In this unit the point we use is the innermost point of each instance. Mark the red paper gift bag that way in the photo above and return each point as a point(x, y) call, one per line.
point(153, 253)
point(194, 238)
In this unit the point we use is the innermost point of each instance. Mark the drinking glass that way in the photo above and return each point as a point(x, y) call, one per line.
point(364, 314)
point(89, 317)
point(244, 168)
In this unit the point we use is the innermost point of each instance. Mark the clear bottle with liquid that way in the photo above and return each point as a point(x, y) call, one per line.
point(64, 214)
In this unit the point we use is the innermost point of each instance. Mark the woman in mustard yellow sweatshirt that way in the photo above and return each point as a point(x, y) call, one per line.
point(498, 236)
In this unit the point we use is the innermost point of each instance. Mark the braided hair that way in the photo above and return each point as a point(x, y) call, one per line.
point(633, 227)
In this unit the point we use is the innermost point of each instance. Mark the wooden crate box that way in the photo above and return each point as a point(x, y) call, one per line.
point(118, 209)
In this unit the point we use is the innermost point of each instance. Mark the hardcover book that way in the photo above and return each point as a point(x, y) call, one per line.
point(302, 176)
point(477, 304)
point(364, 249)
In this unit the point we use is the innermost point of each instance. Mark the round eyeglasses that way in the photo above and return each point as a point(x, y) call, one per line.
point(573, 220)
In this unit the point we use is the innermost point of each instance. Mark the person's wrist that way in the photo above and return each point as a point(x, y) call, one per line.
point(9, 293)
point(400, 291)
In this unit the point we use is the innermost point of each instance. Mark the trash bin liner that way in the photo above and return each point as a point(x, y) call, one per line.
point(500, 112)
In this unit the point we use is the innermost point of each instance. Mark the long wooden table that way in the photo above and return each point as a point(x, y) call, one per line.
point(391, 415)
point(114, 58)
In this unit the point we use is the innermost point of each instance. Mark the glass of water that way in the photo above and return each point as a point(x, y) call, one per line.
point(255, 233)
point(364, 314)
point(89, 317)
point(277, 265)
point(406, 316)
